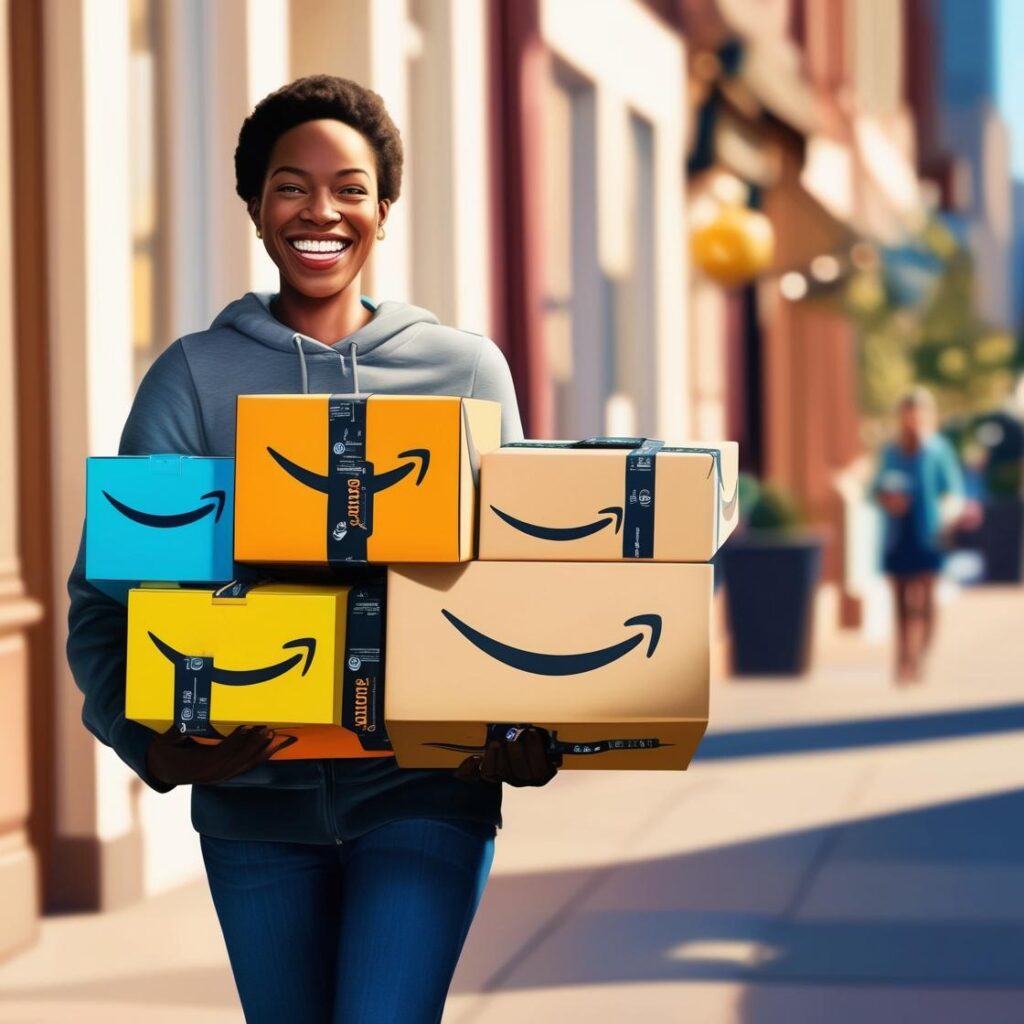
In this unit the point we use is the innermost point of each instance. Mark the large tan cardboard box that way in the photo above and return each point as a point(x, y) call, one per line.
point(543, 500)
point(612, 657)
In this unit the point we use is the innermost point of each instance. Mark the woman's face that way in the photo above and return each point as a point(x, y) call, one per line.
point(321, 187)
point(916, 419)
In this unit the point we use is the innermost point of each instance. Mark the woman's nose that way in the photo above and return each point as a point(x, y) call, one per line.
point(321, 206)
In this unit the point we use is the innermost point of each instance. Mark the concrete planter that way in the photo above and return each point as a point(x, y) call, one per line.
point(770, 581)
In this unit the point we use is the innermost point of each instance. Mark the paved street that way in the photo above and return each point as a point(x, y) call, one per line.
point(841, 851)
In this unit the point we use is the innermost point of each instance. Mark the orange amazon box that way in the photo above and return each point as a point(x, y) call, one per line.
point(611, 658)
point(343, 478)
point(282, 655)
point(606, 499)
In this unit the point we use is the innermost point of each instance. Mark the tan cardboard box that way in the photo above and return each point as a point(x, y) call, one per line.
point(613, 657)
point(546, 500)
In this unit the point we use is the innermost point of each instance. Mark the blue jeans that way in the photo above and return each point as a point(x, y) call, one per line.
point(368, 932)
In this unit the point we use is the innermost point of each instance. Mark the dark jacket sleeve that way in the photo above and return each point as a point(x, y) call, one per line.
point(493, 381)
point(164, 419)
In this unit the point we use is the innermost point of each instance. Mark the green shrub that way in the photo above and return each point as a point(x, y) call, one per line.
point(766, 506)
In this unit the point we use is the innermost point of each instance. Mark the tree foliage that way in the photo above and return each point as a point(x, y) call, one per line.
point(929, 332)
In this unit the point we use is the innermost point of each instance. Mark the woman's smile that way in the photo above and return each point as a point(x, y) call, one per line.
point(315, 253)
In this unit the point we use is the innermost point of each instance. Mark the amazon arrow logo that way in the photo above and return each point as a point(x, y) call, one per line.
point(248, 677)
point(379, 482)
point(559, 664)
point(562, 532)
point(170, 521)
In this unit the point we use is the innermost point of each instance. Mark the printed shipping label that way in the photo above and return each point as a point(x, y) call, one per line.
point(362, 709)
point(638, 533)
point(193, 677)
point(350, 481)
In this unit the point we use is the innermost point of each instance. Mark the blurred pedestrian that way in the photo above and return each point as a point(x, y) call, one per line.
point(919, 486)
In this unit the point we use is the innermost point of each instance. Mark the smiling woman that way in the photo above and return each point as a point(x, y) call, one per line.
point(347, 895)
point(319, 191)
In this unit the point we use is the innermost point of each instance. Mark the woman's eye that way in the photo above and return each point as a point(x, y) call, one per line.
point(348, 190)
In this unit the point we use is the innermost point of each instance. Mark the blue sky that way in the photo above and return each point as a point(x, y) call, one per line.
point(1010, 76)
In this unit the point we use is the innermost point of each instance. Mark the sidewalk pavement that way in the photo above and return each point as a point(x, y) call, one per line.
point(841, 851)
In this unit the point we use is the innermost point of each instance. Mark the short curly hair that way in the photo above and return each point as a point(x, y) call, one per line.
point(308, 99)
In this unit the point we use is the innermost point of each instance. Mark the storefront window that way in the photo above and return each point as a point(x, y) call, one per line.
point(633, 404)
point(557, 193)
point(599, 322)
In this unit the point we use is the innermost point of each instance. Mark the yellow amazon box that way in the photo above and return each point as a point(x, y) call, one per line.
point(282, 655)
point(343, 478)
point(612, 658)
point(606, 499)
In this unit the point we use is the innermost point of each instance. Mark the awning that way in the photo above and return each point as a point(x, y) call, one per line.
point(894, 207)
point(868, 184)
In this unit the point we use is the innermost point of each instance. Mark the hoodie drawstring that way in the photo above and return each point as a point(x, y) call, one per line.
point(355, 366)
point(297, 338)
point(352, 351)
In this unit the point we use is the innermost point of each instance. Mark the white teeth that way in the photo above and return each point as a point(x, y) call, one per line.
point(306, 245)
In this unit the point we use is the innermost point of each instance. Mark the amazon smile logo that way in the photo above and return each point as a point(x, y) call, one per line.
point(379, 482)
point(560, 664)
point(563, 533)
point(248, 677)
point(168, 522)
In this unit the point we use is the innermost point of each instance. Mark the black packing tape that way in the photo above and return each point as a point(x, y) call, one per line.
point(349, 480)
point(603, 746)
point(193, 679)
point(556, 747)
point(638, 521)
point(362, 697)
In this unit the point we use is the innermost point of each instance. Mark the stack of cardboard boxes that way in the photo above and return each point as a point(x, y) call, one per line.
point(586, 611)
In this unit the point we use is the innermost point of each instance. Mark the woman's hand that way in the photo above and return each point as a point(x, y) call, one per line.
point(523, 760)
point(179, 760)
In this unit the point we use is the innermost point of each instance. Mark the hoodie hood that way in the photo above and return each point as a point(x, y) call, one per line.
point(250, 315)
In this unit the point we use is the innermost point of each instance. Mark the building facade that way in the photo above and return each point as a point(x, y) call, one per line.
point(119, 122)
point(545, 203)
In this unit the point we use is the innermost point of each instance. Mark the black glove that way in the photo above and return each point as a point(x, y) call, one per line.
point(179, 760)
point(521, 757)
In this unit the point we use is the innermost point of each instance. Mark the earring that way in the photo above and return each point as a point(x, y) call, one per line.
point(380, 234)
point(259, 234)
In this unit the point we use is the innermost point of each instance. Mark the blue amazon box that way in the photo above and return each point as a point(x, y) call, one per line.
point(163, 518)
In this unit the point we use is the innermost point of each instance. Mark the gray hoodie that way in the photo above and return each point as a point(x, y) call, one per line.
point(186, 405)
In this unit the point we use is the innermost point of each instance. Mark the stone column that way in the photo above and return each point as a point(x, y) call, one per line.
point(18, 869)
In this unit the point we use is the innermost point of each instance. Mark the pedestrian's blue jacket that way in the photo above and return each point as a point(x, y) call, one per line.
point(186, 405)
point(940, 476)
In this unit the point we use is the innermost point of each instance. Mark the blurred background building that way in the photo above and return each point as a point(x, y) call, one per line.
point(694, 219)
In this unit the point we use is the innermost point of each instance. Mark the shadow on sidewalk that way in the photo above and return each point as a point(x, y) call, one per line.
point(815, 737)
point(929, 898)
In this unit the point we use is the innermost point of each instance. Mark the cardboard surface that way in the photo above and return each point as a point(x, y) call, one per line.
point(409, 496)
point(318, 741)
point(315, 741)
point(593, 651)
point(159, 517)
point(571, 504)
point(278, 659)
